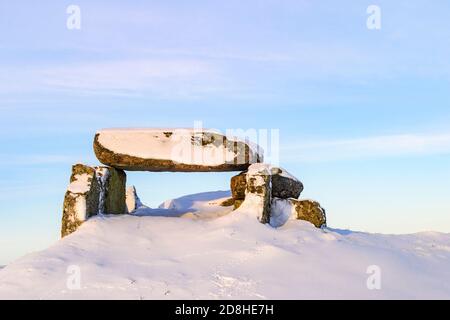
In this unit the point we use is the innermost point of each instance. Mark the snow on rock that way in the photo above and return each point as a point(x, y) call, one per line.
point(113, 185)
point(307, 210)
point(280, 212)
point(263, 186)
point(258, 191)
point(173, 150)
point(271, 193)
point(92, 191)
point(132, 200)
point(80, 184)
point(284, 185)
point(81, 199)
point(228, 256)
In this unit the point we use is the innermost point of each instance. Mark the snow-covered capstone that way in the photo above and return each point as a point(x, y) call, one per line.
point(92, 191)
point(183, 150)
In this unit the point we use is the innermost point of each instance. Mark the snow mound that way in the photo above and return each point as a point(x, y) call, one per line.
point(224, 254)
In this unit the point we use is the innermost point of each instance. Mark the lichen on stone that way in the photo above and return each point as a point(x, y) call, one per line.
point(311, 211)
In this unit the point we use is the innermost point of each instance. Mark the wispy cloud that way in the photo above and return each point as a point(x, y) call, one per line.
point(368, 147)
point(39, 159)
point(161, 77)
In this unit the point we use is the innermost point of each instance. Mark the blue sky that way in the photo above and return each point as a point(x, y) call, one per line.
point(363, 114)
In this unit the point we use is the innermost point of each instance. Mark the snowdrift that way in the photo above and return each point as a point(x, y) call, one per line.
point(193, 248)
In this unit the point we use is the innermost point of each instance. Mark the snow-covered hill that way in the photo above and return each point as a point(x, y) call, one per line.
point(192, 248)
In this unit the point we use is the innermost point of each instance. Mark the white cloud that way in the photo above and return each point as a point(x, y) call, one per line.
point(160, 77)
point(367, 147)
point(39, 159)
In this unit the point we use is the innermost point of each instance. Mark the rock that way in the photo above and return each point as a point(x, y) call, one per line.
point(92, 190)
point(81, 200)
point(238, 186)
point(132, 200)
point(258, 194)
point(284, 209)
point(113, 186)
point(309, 210)
point(237, 203)
point(227, 203)
point(285, 185)
point(183, 150)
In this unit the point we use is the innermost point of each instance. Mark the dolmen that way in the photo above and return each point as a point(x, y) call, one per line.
point(270, 192)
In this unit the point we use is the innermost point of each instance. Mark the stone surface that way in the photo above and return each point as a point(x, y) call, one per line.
point(238, 203)
point(92, 190)
point(258, 192)
point(284, 185)
point(238, 186)
point(227, 203)
point(81, 199)
point(132, 199)
point(309, 210)
point(183, 150)
point(113, 182)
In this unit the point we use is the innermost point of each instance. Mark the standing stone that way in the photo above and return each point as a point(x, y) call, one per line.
point(132, 200)
point(258, 192)
point(238, 186)
point(309, 210)
point(92, 191)
point(113, 185)
point(81, 200)
point(182, 150)
point(284, 185)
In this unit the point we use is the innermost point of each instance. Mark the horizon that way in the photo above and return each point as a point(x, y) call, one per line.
point(363, 115)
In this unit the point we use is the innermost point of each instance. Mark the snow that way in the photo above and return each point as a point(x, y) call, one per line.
point(259, 169)
point(206, 251)
point(286, 174)
point(166, 144)
point(80, 184)
point(281, 211)
point(102, 175)
point(81, 208)
point(132, 199)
